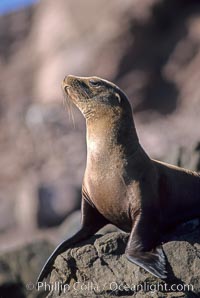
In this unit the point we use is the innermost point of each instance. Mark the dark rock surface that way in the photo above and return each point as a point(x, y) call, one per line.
point(99, 267)
point(19, 270)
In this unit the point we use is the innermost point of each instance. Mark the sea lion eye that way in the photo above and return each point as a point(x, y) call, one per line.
point(118, 97)
point(94, 83)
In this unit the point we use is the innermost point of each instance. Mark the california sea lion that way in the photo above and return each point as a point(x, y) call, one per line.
point(121, 184)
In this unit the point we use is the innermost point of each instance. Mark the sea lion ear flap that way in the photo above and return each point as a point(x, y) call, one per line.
point(118, 97)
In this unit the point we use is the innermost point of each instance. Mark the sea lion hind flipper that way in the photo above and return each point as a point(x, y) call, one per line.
point(153, 261)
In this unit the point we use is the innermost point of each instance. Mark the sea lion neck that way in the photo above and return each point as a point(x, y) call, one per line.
point(106, 134)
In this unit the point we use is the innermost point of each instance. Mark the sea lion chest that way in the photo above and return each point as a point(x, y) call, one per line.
point(107, 190)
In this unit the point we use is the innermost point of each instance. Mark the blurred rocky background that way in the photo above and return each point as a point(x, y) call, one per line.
point(150, 48)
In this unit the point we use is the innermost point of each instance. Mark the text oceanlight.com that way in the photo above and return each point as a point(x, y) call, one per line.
point(91, 287)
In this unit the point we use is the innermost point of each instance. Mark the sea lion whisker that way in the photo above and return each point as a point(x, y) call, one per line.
point(72, 114)
point(67, 104)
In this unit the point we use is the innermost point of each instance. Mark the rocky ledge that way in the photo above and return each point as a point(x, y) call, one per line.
point(19, 269)
point(99, 267)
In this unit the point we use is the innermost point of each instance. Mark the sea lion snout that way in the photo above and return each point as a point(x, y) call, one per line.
point(70, 79)
point(65, 86)
point(74, 81)
point(76, 84)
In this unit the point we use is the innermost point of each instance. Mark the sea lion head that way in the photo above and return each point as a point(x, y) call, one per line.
point(96, 97)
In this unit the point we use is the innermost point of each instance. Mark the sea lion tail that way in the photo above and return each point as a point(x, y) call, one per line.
point(153, 261)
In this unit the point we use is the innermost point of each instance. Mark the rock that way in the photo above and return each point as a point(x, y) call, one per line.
point(99, 267)
point(189, 158)
point(19, 270)
point(6, 213)
point(61, 198)
point(185, 157)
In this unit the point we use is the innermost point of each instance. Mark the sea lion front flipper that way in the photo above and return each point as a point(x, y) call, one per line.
point(142, 248)
point(153, 261)
point(92, 221)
